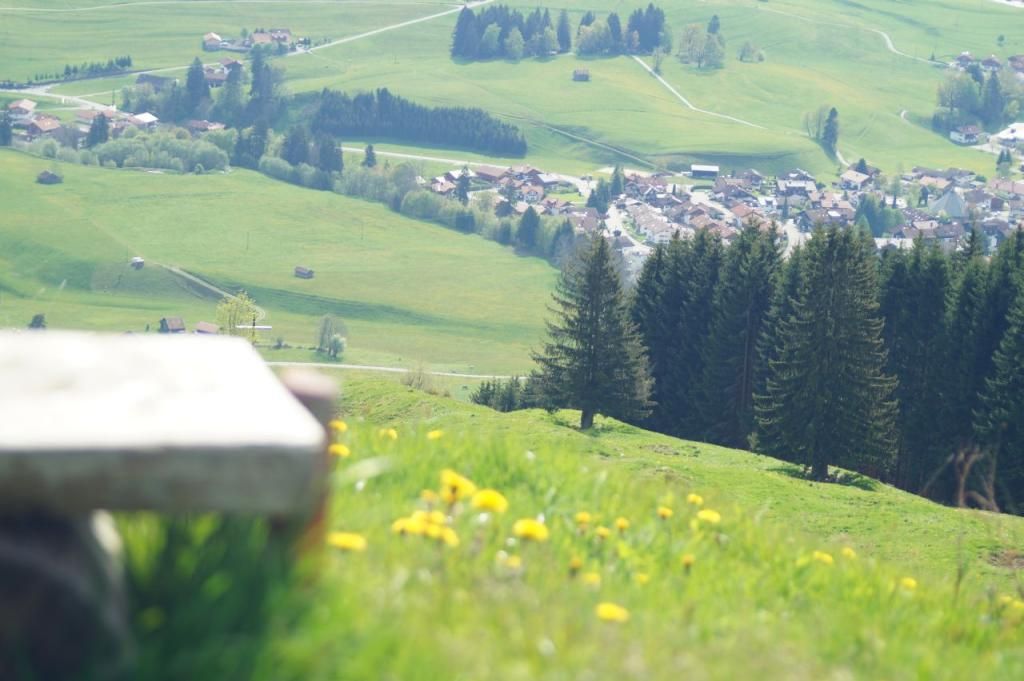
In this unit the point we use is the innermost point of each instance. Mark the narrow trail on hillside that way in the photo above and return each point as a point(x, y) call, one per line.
point(885, 36)
point(390, 370)
point(688, 103)
point(261, 314)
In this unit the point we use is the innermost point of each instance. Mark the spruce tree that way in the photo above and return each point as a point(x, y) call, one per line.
point(593, 360)
point(827, 399)
point(966, 362)
point(564, 32)
point(618, 183)
point(1000, 418)
point(830, 134)
point(295, 148)
point(462, 187)
point(6, 133)
point(99, 130)
point(528, 232)
point(369, 157)
point(195, 84)
point(742, 300)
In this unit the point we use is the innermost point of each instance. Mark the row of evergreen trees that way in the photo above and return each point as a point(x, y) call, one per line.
point(382, 114)
point(903, 367)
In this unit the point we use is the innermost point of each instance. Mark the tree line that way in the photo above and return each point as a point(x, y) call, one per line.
point(500, 32)
point(972, 97)
point(908, 366)
point(382, 114)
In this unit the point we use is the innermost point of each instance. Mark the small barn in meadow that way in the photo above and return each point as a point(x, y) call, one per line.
point(303, 273)
point(581, 75)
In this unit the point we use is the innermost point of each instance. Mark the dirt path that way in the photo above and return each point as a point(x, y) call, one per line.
point(390, 370)
point(261, 314)
point(689, 104)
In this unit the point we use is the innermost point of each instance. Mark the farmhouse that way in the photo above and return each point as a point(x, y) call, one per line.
point(703, 172)
point(853, 181)
point(20, 112)
point(490, 174)
point(991, 63)
point(196, 127)
point(47, 177)
point(581, 75)
point(207, 328)
point(212, 41)
point(303, 272)
point(172, 325)
point(215, 77)
point(964, 60)
point(966, 134)
point(42, 125)
point(145, 120)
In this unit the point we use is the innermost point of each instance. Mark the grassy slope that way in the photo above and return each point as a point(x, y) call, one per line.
point(757, 601)
point(410, 292)
point(901, 529)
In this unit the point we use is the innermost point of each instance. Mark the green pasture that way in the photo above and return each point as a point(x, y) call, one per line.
point(410, 292)
point(765, 575)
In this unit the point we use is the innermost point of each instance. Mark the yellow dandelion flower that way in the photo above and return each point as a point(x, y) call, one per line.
point(455, 487)
point(401, 526)
point(490, 500)
point(415, 525)
point(347, 541)
point(429, 496)
point(822, 557)
point(610, 612)
point(435, 435)
point(602, 532)
point(575, 563)
point(591, 578)
point(436, 518)
point(583, 518)
point(338, 426)
point(688, 560)
point(664, 512)
point(528, 528)
point(1017, 606)
point(433, 531)
point(709, 516)
point(641, 578)
point(695, 499)
point(621, 524)
point(339, 450)
point(388, 433)
point(513, 562)
point(908, 583)
point(848, 553)
point(449, 537)
point(1005, 599)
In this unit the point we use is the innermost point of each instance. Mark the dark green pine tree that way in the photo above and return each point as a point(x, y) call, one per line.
point(6, 133)
point(1000, 418)
point(295, 148)
point(830, 135)
point(827, 400)
point(966, 362)
point(99, 131)
point(564, 32)
point(196, 86)
point(462, 187)
point(528, 233)
point(466, 37)
point(742, 300)
point(328, 154)
point(914, 294)
point(369, 157)
point(593, 360)
point(618, 183)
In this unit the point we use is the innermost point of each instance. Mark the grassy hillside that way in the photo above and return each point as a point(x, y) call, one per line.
point(762, 575)
point(817, 53)
point(409, 292)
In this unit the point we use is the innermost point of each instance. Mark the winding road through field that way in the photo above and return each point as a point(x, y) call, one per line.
point(389, 370)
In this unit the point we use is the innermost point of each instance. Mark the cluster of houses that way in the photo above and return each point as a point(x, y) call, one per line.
point(177, 325)
point(213, 42)
point(973, 134)
point(948, 204)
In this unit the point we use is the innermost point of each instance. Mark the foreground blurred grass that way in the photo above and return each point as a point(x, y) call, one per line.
point(745, 596)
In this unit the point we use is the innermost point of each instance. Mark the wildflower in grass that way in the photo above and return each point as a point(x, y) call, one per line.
point(664, 512)
point(591, 578)
point(610, 612)
point(436, 518)
point(641, 578)
point(435, 435)
point(575, 563)
point(708, 516)
point(337, 426)
point(401, 526)
point(449, 537)
point(908, 584)
point(822, 557)
point(455, 487)
point(347, 541)
point(388, 434)
point(695, 499)
point(429, 497)
point(848, 553)
point(339, 450)
point(621, 524)
point(602, 532)
point(513, 562)
point(528, 528)
point(433, 531)
point(583, 519)
point(490, 500)
point(688, 560)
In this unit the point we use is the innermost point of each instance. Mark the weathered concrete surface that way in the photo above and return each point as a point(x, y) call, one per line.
point(167, 423)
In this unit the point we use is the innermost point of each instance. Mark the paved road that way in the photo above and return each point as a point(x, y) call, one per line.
point(390, 370)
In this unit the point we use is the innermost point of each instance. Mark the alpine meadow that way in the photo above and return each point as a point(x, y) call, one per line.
point(605, 339)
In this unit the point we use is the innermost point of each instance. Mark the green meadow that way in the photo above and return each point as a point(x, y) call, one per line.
point(410, 293)
point(692, 562)
point(817, 53)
